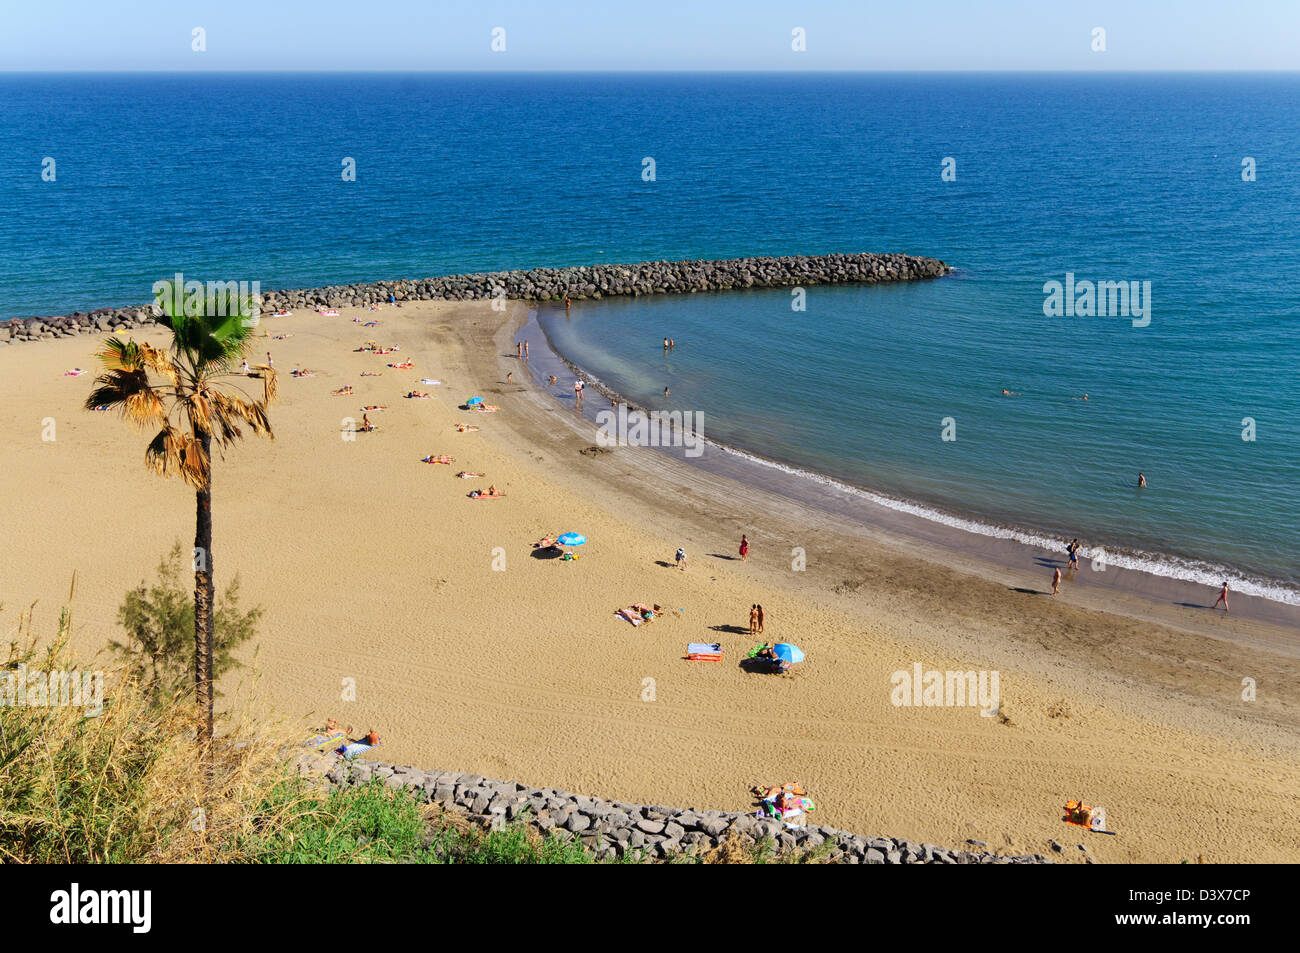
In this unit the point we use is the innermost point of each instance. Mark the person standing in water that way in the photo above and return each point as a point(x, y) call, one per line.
point(567, 303)
point(672, 345)
point(1073, 550)
point(744, 548)
point(577, 393)
point(525, 350)
point(665, 392)
point(1142, 481)
point(1223, 597)
point(665, 344)
point(519, 351)
point(1056, 581)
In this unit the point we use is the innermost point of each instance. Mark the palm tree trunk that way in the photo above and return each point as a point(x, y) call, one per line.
point(204, 597)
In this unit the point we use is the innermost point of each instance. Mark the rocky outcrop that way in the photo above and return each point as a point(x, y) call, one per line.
point(611, 829)
point(537, 284)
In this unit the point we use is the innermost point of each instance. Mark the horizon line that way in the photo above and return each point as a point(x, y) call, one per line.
point(632, 72)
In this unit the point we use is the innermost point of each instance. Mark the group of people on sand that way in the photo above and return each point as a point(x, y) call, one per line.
point(1074, 547)
point(756, 619)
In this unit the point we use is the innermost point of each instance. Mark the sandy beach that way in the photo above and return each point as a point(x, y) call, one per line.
point(468, 653)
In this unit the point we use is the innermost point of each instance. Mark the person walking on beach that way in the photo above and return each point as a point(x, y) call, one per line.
point(744, 548)
point(753, 619)
point(525, 352)
point(1223, 597)
point(760, 618)
point(1142, 481)
point(510, 377)
point(519, 351)
point(1073, 550)
point(269, 362)
point(1056, 581)
point(680, 559)
point(577, 393)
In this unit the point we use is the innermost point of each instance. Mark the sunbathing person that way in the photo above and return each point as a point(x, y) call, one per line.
point(372, 373)
point(468, 474)
point(404, 366)
point(366, 425)
point(438, 458)
point(546, 542)
point(491, 493)
point(302, 373)
point(466, 428)
point(487, 408)
point(376, 407)
point(344, 391)
point(418, 395)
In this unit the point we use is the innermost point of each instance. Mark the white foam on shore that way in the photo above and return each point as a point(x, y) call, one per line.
point(1163, 565)
point(1156, 564)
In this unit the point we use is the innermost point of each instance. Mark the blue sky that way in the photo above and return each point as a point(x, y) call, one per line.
point(649, 35)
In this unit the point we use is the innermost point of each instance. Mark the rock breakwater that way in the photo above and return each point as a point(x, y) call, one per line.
point(535, 284)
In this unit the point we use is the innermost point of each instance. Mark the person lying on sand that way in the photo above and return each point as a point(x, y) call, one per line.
point(344, 391)
point(372, 373)
point(302, 373)
point(73, 372)
point(466, 428)
point(546, 542)
point(487, 408)
point(438, 458)
point(491, 493)
point(281, 337)
point(638, 612)
point(376, 407)
point(468, 474)
point(333, 727)
point(404, 366)
point(418, 395)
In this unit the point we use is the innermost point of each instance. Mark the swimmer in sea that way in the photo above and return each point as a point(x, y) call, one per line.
point(1009, 393)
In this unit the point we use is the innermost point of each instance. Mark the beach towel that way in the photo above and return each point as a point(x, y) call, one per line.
point(619, 614)
point(430, 381)
point(323, 742)
point(354, 748)
point(704, 652)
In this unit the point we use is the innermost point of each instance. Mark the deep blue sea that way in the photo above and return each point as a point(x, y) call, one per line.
point(1134, 178)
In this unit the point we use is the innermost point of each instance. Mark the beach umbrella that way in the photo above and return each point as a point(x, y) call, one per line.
point(473, 400)
point(571, 539)
point(787, 652)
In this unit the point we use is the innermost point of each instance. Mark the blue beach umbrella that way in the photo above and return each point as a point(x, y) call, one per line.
point(787, 652)
point(571, 539)
point(473, 400)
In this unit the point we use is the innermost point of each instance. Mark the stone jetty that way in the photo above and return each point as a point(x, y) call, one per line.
point(612, 829)
point(535, 284)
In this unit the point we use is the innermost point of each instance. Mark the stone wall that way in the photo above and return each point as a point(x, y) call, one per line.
point(610, 829)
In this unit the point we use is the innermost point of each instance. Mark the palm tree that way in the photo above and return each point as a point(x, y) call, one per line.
point(186, 391)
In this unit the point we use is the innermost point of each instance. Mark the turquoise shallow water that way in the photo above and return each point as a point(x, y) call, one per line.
point(1132, 178)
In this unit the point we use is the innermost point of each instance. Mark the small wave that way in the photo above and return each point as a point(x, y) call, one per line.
point(1157, 564)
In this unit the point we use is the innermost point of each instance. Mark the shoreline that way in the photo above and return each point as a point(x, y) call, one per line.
point(1010, 548)
point(377, 569)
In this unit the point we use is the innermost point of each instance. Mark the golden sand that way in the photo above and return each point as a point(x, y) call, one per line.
point(467, 653)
